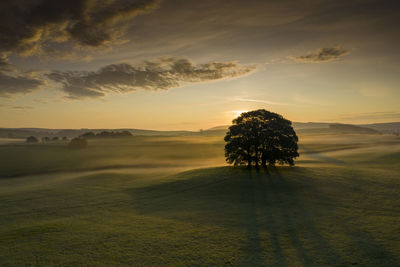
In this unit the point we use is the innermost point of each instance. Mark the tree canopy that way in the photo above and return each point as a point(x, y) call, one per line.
point(32, 139)
point(106, 134)
point(260, 137)
point(78, 142)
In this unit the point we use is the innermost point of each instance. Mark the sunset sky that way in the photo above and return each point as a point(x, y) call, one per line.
point(183, 64)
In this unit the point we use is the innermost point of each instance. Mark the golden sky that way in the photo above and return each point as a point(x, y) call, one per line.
point(183, 64)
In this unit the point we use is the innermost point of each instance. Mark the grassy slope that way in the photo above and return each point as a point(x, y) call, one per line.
point(137, 151)
point(335, 208)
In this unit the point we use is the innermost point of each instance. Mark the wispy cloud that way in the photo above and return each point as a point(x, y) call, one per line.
point(22, 107)
point(160, 74)
point(321, 55)
point(14, 81)
point(259, 101)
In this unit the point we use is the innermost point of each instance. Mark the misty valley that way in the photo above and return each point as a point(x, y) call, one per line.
point(171, 200)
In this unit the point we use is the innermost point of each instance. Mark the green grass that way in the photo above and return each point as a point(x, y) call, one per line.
point(149, 152)
point(338, 207)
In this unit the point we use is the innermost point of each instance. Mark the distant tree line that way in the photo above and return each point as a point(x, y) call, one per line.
point(48, 139)
point(77, 142)
point(80, 141)
point(34, 139)
point(106, 134)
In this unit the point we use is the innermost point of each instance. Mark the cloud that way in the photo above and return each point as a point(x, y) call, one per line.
point(13, 81)
point(18, 84)
point(28, 26)
point(259, 101)
point(160, 74)
point(22, 107)
point(4, 64)
point(321, 55)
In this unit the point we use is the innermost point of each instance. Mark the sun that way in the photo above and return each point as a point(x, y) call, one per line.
point(237, 113)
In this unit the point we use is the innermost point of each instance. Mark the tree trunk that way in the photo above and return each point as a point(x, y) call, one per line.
point(264, 162)
point(248, 157)
point(271, 165)
point(256, 159)
point(263, 158)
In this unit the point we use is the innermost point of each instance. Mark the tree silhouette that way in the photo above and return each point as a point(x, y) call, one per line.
point(78, 142)
point(32, 139)
point(260, 137)
point(106, 134)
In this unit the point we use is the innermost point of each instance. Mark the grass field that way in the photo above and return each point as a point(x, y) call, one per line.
point(173, 201)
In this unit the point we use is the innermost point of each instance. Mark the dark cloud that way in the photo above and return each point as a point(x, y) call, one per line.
point(254, 29)
point(161, 74)
point(27, 26)
point(322, 55)
point(5, 65)
point(14, 83)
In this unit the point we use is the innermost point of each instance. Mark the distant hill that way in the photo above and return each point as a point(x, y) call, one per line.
point(320, 127)
point(349, 128)
point(326, 127)
point(219, 128)
point(310, 125)
point(323, 127)
point(296, 125)
point(70, 133)
point(300, 127)
point(390, 127)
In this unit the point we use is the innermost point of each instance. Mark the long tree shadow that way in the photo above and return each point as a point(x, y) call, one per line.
point(365, 250)
point(254, 251)
point(314, 154)
point(299, 223)
point(269, 222)
point(283, 213)
point(369, 251)
point(266, 204)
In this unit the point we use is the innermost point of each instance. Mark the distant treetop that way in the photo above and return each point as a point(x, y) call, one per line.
point(32, 139)
point(106, 134)
point(78, 142)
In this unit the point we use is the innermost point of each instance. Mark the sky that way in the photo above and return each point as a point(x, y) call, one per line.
point(185, 64)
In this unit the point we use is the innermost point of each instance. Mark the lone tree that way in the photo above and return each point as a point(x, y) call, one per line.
point(260, 137)
point(32, 139)
point(78, 142)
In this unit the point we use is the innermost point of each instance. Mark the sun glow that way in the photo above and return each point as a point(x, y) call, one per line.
point(237, 113)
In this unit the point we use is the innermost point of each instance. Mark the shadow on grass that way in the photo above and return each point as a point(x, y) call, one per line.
point(258, 220)
point(301, 231)
point(314, 154)
point(279, 211)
